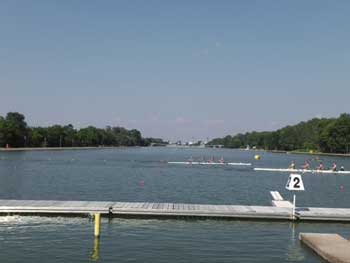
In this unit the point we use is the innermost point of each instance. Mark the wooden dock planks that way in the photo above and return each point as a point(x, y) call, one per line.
point(44, 207)
point(145, 209)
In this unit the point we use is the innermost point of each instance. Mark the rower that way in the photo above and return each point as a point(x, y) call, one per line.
point(334, 167)
point(342, 168)
point(320, 167)
point(221, 160)
point(292, 165)
point(306, 165)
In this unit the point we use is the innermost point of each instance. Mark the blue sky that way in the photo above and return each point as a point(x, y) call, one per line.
point(175, 69)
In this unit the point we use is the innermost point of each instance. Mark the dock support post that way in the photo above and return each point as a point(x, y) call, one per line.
point(97, 218)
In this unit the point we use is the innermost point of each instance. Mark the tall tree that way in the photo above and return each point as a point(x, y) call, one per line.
point(2, 131)
point(327, 135)
point(15, 130)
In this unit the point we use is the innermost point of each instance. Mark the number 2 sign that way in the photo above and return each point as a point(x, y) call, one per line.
point(295, 183)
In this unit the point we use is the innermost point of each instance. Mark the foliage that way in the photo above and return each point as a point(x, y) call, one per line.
point(15, 133)
point(13, 130)
point(155, 142)
point(325, 135)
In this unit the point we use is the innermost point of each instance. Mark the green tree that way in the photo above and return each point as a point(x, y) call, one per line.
point(335, 137)
point(70, 138)
point(2, 132)
point(55, 136)
point(327, 135)
point(89, 136)
point(135, 137)
point(37, 137)
point(15, 130)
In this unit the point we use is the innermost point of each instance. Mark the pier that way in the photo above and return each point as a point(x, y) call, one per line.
point(331, 247)
point(140, 209)
point(169, 210)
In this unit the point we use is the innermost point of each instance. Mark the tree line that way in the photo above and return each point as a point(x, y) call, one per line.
point(14, 132)
point(331, 135)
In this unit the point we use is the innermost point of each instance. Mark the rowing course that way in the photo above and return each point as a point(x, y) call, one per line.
point(301, 171)
point(211, 163)
point(166, 210)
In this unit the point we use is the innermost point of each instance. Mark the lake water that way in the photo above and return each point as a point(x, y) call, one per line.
point(142, 174)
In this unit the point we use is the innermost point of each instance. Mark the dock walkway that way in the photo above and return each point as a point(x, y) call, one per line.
point(331, 247)
point(144, 209)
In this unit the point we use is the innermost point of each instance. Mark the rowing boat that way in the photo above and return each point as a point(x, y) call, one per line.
point(301, 171)
point(211, 163)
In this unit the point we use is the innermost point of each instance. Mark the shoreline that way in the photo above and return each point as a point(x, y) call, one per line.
point(117, 147)
point(63, 148)
point(313, 153)
point(319, 153)
point(299, 152)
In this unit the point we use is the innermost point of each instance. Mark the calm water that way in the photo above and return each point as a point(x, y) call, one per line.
point(141, 174)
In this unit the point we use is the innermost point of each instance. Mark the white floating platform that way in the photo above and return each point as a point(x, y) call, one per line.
point(211, 163)
point(301, 171)
point(323, 214)
point(331, 247)
point(278, 200)
point(159, 210)
point(141, 209)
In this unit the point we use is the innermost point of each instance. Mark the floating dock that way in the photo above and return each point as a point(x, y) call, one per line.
point(140, 209)
point(331, 247)
point(164, 210)
point(300, 171)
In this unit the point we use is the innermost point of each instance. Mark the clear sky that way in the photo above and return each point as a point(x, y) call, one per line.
point(175, 69)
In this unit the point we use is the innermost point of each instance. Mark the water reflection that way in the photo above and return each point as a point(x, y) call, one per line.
point(95, 255)
point(294, 251)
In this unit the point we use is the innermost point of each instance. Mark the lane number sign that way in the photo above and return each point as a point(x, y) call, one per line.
point(295, 183)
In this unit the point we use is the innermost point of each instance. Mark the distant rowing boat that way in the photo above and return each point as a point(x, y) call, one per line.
point(301, 171)
point(211, 163)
